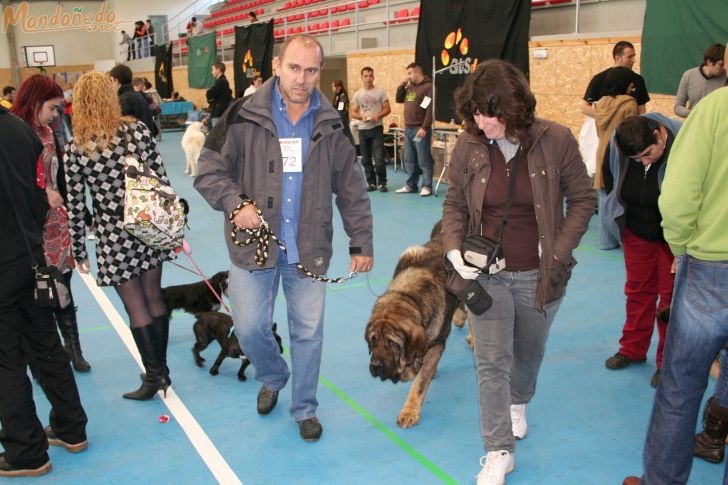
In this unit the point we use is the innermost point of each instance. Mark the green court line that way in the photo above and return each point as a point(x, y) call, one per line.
point(409, 449)
point(95, 329)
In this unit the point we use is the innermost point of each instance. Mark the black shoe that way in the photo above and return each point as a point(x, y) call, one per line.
point(620, 361)
point(383, 188)
point(156, 377)
point(267, 400)
point(371, 188)
point(8, 470)
point(54, 440)
point(655, 379)
point(310, 429)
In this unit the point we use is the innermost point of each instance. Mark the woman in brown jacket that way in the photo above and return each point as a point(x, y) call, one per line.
point(504, 140)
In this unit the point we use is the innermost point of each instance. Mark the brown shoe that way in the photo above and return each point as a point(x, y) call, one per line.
point(631, 481)
point(620, 361)
point(9, 470)
point(310, 429)
point(54, 440)
point(710, 444)
point(267, 400)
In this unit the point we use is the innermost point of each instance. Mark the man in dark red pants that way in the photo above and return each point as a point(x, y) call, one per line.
point(637, 156)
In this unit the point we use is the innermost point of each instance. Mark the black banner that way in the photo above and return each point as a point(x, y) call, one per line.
point(462, 33)
point(253, 54)
point(163, 71)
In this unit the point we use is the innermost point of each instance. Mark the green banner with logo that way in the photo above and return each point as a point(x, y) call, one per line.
point(202, 55)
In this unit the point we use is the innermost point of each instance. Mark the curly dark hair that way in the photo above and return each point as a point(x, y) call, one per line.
point(497, 89)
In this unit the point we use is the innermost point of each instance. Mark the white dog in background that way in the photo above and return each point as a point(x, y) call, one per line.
point(192, 142)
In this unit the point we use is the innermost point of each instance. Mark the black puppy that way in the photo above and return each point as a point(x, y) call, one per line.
point(196, 298)
point(219, 326)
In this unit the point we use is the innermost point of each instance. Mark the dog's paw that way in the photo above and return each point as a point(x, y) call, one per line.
point(214, 372)
point(241, 377)
point(408, 418)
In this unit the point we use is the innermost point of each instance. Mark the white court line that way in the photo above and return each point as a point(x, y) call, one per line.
point(207, 451)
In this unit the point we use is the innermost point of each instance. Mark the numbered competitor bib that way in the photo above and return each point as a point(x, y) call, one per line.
point(292, 152)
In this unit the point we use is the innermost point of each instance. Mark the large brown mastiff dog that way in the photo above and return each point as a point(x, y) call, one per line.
point(410, 323)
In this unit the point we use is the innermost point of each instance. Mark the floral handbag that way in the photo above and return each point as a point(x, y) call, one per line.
point(153, 212)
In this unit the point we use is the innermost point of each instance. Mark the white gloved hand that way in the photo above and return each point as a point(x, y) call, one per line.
point(465, 271)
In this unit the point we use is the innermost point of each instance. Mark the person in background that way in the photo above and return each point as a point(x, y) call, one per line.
point(693, 203)
point(37, 104)
point(370, 105)
point(341, 100)
point(156, 106)
point(130, 46)
point(253, 17)
point(95, 159)
point(8, 96)
point(150, 36)
point(633, 175)
point(416, 94)
point(24, 325)
point(297, 202)
point(623, 54)
point(611, 109)
point(255, 83)
point(132, 103)
point(504, 141)
point(68, 109)
point(194, 27)
point(219, 95)
point(698, 82)
point(140, 37)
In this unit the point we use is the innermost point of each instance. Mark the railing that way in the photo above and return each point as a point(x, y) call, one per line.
point(307, 18)
point(174, 23)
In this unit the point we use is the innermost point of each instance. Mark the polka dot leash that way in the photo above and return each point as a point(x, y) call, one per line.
point(262, 236)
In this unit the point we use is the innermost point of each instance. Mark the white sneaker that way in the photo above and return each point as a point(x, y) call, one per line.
point(496, 465)
point(518, 421)
point(425, 192)
point(403, 190)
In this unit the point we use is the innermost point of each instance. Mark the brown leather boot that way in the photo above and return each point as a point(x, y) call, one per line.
point(710, 444)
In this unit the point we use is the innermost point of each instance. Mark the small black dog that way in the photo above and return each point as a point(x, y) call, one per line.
point(219, 326)
point(196, 298)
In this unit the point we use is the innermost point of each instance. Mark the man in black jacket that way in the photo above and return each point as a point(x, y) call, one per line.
point(132, 103)
point(28, 331)
point(218, 96)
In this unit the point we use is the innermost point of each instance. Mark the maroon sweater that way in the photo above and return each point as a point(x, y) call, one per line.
point(520, 238)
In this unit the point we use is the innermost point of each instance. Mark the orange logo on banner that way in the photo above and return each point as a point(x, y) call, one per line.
point(457, 40)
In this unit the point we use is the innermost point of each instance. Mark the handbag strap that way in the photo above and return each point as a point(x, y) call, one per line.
point(21, 227)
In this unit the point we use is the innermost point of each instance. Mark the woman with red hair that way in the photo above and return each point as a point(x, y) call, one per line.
point(37, 103)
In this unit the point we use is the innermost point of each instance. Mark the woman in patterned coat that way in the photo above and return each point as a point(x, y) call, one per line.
point(94, 158)
point(37, 104)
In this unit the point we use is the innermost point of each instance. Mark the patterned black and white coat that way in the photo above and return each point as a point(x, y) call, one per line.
point(119, 255)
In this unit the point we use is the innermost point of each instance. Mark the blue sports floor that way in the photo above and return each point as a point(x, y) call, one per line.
point(586, 424)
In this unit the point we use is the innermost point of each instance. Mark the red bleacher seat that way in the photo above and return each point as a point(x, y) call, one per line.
point(415, 13)
point(335, 25)
point(374, 2)
point(401, 15)
point(299, 29)
point(363, 4)
point(346, 22)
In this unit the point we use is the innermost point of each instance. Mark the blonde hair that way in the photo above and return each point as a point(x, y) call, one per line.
point(96, 111)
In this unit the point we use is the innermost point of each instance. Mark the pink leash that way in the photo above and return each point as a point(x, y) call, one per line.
point(188, 251)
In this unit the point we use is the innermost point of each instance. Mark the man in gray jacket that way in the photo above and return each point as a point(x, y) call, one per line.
point(284, 155)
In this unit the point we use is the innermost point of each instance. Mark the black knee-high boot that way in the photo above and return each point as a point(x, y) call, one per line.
point(68, 326)
point(147, 342)
point(161, 326)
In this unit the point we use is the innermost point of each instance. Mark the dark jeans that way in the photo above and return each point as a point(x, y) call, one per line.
point(418, 159)
point(371, 142)
point(22, 434)
point(698, 329)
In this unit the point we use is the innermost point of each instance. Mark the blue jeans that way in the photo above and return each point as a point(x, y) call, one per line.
point(721, 386)
point(252, 294)
point(510, 339)
point(698, 329)
point(418, 159)
point(371, 144)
